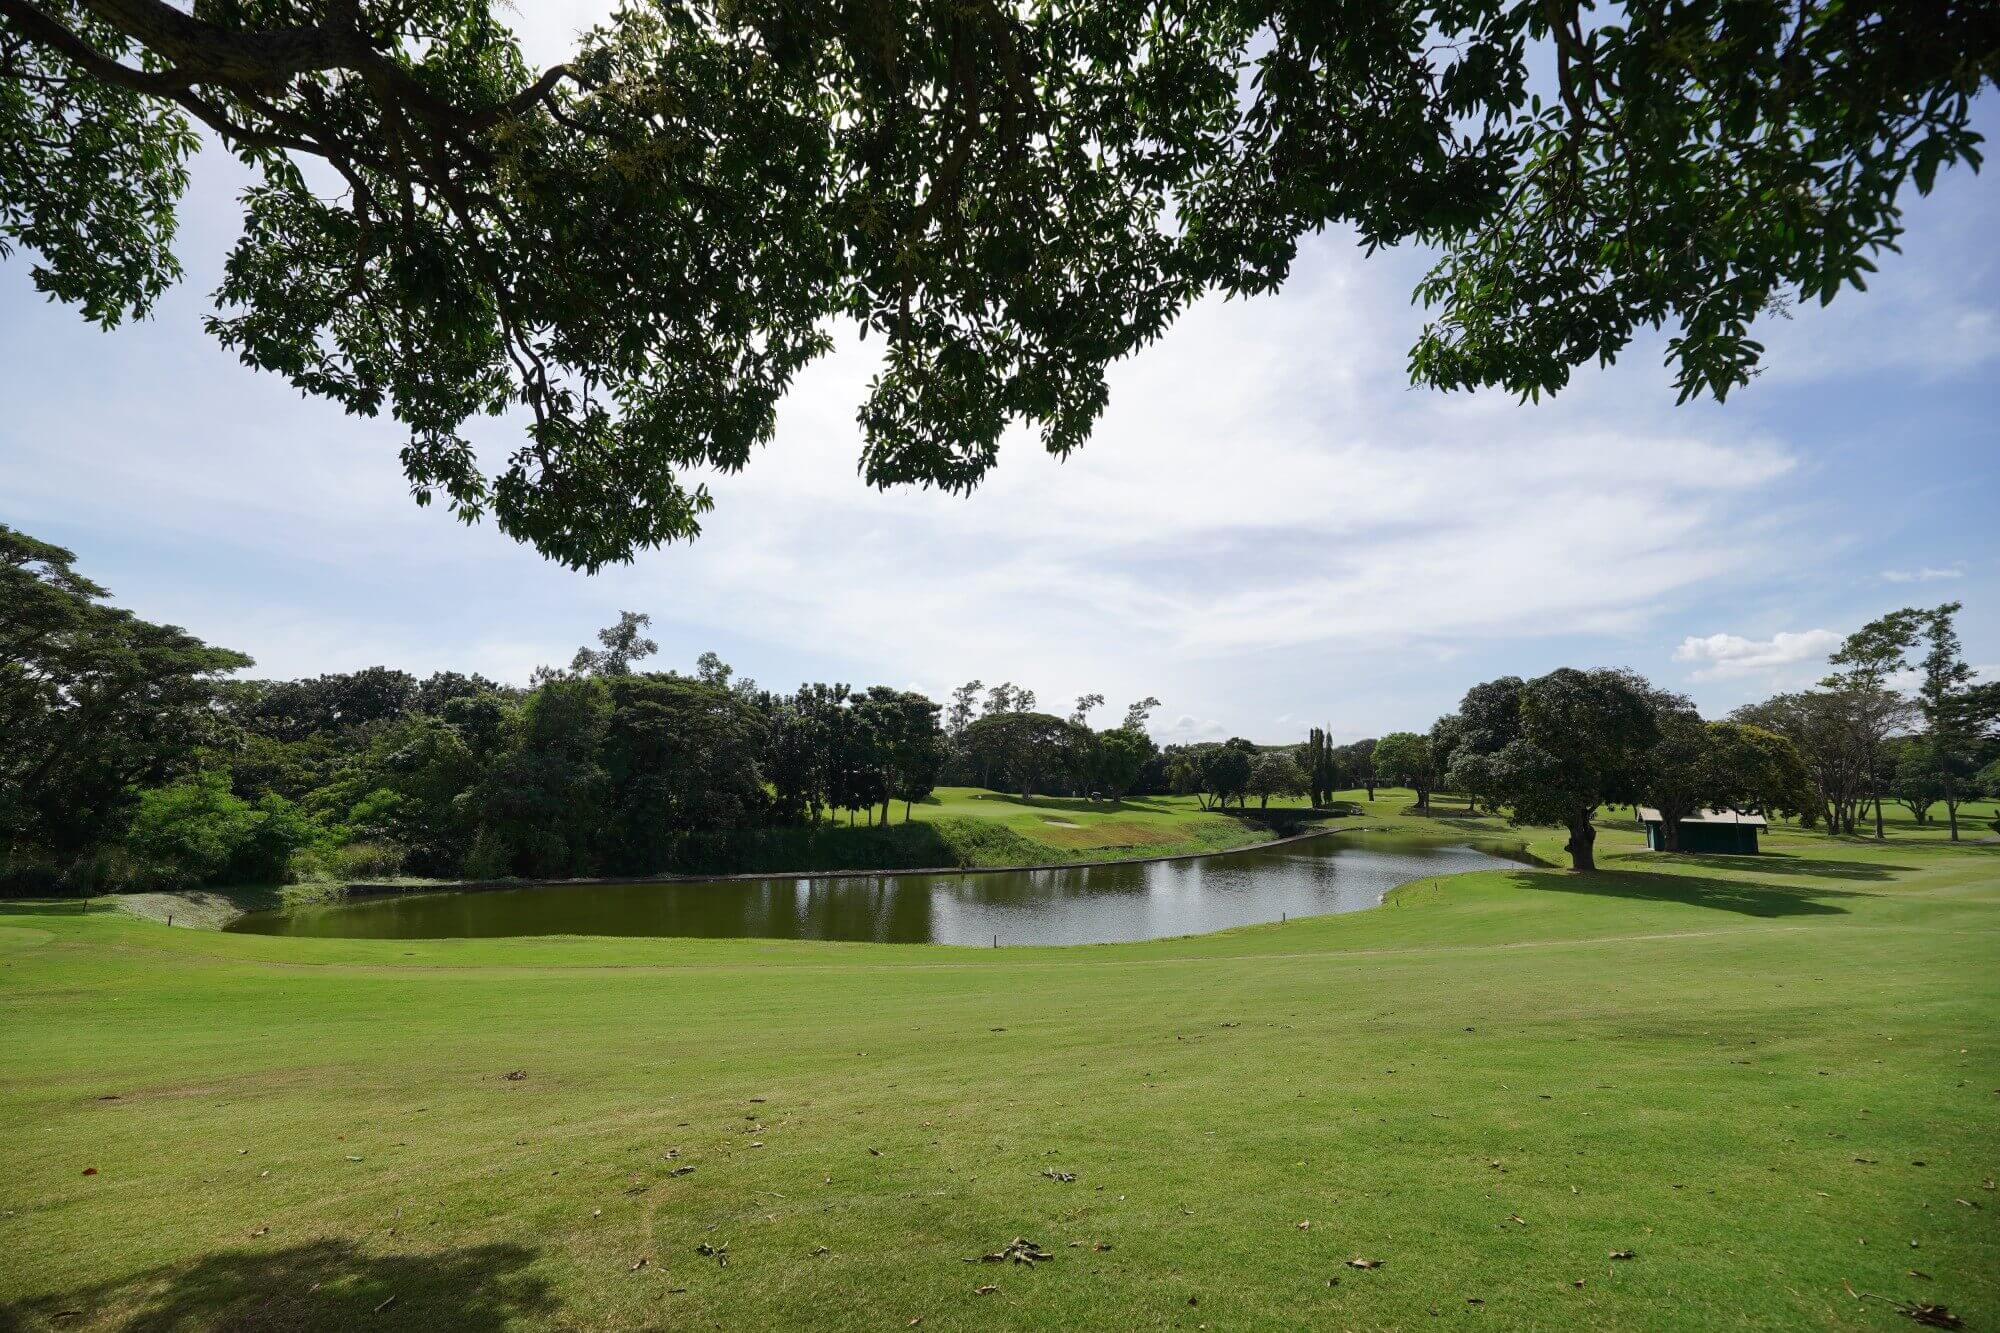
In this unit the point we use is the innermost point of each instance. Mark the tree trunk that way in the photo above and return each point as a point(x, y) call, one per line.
point(1582, 840)
point(1951, 804)
point(1879, 835)
point(1670, 834)
point(1371, 789)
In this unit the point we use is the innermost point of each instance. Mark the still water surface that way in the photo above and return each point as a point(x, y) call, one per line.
point(1088, 905)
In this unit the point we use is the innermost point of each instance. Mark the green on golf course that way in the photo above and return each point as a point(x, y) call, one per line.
point(1694, 1091)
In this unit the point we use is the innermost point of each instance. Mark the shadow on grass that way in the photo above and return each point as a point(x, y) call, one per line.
point(324, 1284)
point(1723, 895)
point(1777, 863)
point(1072, 804)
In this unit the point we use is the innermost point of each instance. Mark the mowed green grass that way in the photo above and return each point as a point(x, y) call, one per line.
point(1079, 828)
point(1769, 1079)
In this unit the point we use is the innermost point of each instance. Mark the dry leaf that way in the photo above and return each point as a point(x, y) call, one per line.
point(1364, 1263)
point(1054, 1174)
point(1305, 1226)
point(516, 1075)
point(90, 1170)
point(638, 1264)
point(1621, 1254)
point(681, 1171)
point(1020, 1250)
point(987, 1290)
point(874, 1152)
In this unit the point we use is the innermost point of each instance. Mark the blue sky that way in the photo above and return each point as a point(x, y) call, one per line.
point(1271, 529)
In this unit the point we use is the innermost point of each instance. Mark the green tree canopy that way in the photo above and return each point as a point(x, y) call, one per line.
point(1405, 757)
point(640, 248)
point(1584, 737)
point(94, 702)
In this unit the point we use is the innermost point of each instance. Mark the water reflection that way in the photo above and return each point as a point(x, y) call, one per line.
point(1089, 905)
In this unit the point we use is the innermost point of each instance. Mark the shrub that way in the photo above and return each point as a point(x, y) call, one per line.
point(197, 831)
point(278, 831)
point(326, 864)
point(186, 834)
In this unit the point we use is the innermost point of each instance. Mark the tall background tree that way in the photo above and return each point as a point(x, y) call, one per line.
point(95, 704)
point(641, 247)
point(1868, 659)
point(1957, 714)
point(1320, 769)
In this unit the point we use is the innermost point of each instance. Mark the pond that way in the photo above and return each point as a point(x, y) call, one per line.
point(1342, 872)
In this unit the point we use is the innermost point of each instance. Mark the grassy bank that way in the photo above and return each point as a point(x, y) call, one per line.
point(1767, 1079)
point(966, 827)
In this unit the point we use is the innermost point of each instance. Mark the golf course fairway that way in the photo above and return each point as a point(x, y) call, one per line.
point(1690, 1091)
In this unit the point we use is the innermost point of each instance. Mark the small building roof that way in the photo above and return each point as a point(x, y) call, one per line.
point(1648, 815)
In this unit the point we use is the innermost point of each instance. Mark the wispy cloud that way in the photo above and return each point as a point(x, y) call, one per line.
point(1925, 575)
point(1724, 656)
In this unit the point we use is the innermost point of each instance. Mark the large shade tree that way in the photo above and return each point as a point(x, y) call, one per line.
point(1404, 757)
point(639, 248)
point(1583, 741)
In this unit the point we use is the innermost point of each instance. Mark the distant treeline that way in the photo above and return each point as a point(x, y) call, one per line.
point(130, 756)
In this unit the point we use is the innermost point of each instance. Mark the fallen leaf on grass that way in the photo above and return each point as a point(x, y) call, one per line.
point(1577, 1283)
point(1517, 1219)
point(1305, 1226)
point(516, 1075)
point(986, 1290)
point(819, 1250)
point(386, 1303)
point(90, 1170)
point(1474, 1300)
point(1936, 1316)
point(1622, 1254)
point(1364, 1263)
point(719, 1253)
point(874, 1152)
point(1020, 1250)
point(638, 1264)
point(681, 1171)
point(1053, 1174)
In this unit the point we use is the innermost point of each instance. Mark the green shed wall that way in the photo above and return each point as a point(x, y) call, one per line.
point(1727, 839)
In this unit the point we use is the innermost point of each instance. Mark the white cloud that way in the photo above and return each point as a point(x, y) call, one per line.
point(1925, 575)
point(1730, 655)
